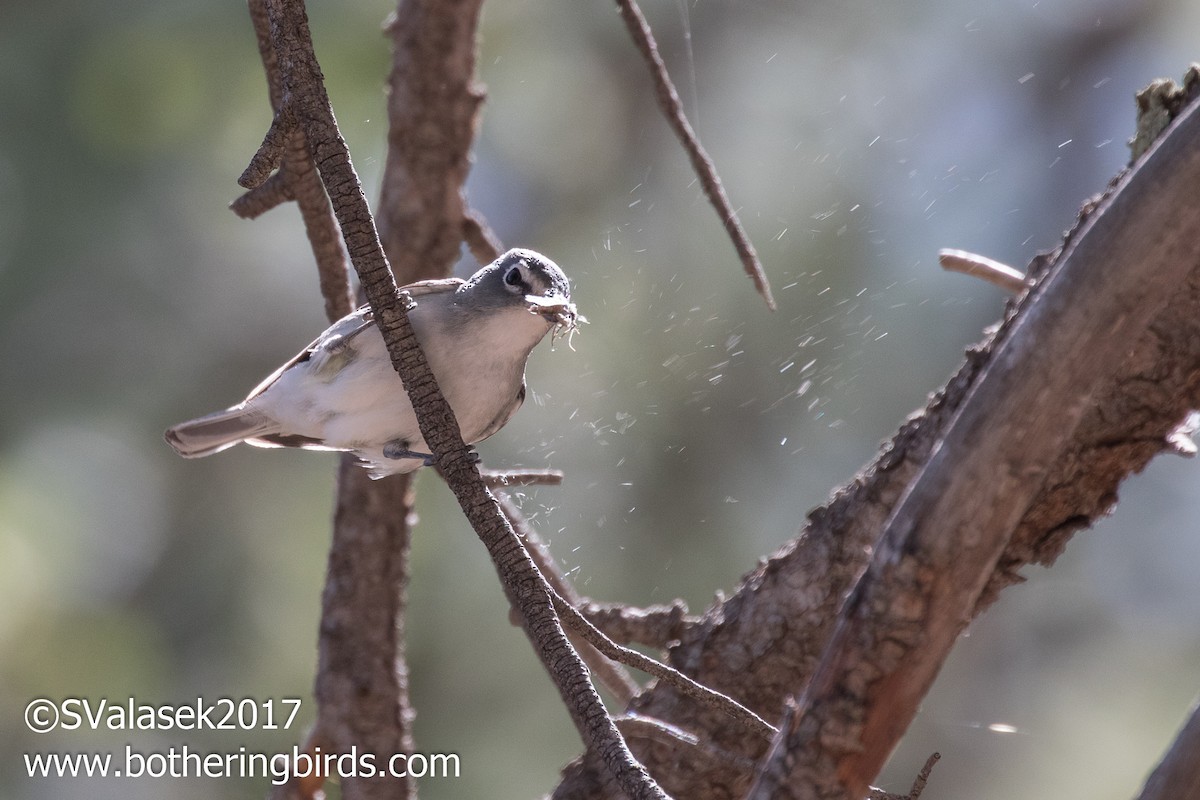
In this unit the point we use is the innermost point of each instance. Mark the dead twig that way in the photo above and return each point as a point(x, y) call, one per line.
point(612, 676)
point(500, 479)
point(655, 626)
point(673, 736)
point(977, 266)
point(918, 783)
point(668, 675)
point(672, 108)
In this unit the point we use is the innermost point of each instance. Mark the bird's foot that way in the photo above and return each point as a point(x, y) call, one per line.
point(399, 449)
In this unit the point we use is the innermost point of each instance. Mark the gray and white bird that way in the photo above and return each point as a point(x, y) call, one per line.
point(342, 393)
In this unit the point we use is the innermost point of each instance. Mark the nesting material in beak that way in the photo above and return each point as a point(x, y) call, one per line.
point(561, 312)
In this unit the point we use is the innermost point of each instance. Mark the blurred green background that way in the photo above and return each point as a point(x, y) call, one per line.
point(695, 428)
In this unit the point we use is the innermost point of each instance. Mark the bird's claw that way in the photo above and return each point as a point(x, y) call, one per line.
point(398, 450)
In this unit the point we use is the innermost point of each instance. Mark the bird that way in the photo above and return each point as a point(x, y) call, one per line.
point(342, 393)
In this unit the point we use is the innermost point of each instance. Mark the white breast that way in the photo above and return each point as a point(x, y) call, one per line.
point(360, 404)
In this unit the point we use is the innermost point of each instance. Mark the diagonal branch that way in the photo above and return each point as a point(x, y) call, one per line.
point(945, 537)
point(763, 642)
point(656, 626)
point(672, 108)
point(611, 675)
point(305, 95)
point(361, 685)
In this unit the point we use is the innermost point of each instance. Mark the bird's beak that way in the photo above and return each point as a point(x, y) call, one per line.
point(556, 309)
point(551, 306)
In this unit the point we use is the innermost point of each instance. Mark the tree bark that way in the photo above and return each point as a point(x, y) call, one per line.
point(765, 642)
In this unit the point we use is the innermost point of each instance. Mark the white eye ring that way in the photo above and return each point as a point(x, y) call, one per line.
point(514, 279)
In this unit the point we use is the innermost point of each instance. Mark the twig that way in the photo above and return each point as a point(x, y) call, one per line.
point(483, 242)
point(922, 778)
point(977, 266)
point(297, 179)
point(526, 590)
point(918, 784)
point(270, 152)
point(500, 479)
point(676, 679)
point(655, 626)
point(253, 203)
point(611, 675)
point(673, 736)
point(672, 108)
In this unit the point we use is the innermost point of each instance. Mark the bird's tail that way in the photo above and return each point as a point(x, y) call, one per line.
point(215, 432)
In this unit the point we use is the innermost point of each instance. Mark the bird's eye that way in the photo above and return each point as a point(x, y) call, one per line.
point(513, 276)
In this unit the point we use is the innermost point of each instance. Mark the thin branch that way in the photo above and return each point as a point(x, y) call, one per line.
point(522, 582)
point(675, 737)
point(361, 683)
point(501, 479)
point(918, 786)
point(297, 179)
point(655, 626)
point(1177, 776)
point(746, 718)
point(253, 203)
point(672, 108)
point(483, 242)
point(946, 535)
point(977, 266)
point(611, 675)
point(270, 152)
point(763, 641)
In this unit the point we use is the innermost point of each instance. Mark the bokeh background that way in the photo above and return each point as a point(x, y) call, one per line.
point(695, 428)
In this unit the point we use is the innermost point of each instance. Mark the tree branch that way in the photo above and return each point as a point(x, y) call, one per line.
point(305, 93)
point(361, 685)
point(672, 108)
point(945, 537)
point(433, 110)
point(612, 675)
point(656, 626)
point(765, 640)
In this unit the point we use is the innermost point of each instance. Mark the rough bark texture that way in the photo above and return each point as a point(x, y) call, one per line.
point(306, 104)
point(763, 643)
point(361, 685)
point(433, 108)
point(362, 680)
point(942, 542)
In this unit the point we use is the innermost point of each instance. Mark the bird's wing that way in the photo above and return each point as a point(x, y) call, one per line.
point(340, 334)
point(435, 286)
point(505, 414)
